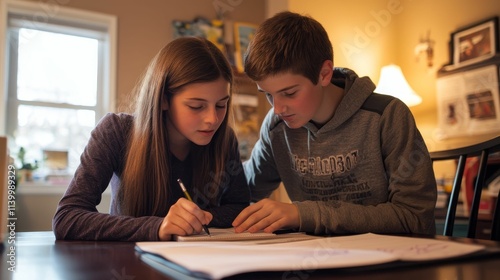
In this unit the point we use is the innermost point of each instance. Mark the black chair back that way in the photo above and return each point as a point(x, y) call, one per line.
point(483, 150)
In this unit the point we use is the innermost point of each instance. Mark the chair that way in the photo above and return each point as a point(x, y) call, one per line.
point(483, 150)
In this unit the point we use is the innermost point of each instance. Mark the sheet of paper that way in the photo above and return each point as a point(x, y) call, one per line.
point(407, 248)
point(222, 259)
point(228, 234)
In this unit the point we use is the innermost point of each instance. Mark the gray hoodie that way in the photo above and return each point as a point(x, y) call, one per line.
point(366, 170)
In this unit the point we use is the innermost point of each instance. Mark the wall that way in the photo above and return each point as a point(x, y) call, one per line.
point(441, 19)
point(35, 206)
point(145, 26)
point(367, 34)
point(347, 23)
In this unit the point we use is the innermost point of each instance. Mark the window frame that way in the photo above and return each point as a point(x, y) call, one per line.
point(41, 15)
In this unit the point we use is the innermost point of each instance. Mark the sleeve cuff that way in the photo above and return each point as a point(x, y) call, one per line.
point(306, 216)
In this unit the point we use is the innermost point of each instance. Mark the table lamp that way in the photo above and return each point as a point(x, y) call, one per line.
point(392, 82)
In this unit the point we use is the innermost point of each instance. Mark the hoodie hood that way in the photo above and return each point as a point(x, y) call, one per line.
point(356, 91)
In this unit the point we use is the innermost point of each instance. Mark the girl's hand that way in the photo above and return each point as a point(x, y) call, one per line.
point(183, 218)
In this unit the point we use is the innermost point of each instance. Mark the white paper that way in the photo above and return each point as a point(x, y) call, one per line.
point(228, 234)
point(223, 259)
point(407, 248)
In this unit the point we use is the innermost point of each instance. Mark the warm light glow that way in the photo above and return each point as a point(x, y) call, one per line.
point(392, 82)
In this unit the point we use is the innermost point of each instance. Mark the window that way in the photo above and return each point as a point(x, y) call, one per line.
point(59, 79)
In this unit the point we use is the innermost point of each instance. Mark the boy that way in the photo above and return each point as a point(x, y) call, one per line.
point(352, 161)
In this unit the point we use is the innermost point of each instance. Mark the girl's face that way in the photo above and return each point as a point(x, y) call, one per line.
point(196, 112)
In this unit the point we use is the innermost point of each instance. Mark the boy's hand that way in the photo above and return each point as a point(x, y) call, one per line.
point(267, 215)
point(183, 218)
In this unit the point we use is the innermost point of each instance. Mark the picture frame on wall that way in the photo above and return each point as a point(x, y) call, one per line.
point(247, 124)
point(475, 43)
point(243, 34)
point(212, 30)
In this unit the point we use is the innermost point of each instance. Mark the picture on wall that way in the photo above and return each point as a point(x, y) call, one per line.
point(468, 103)
point(243, 34)
point(246, 122)
point(475, 43)
point(212, 30)
point(481, 105)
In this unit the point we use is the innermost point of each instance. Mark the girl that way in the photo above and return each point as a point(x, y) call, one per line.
point(179, 131)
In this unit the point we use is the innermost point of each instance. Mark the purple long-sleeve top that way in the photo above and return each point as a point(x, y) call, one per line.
point(101, 165)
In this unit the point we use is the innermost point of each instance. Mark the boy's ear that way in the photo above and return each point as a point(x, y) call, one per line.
point(326, 73)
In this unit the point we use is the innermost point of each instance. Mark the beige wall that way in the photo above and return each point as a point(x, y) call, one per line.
point(145, 26)
point(392, 39)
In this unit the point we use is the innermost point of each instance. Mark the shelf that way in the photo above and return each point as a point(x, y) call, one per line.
point(451, 69)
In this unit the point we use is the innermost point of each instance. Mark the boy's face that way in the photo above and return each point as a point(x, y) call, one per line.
point(296, 99)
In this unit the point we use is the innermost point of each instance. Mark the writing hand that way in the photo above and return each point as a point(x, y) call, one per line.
point(267, 215)
point(183, 218)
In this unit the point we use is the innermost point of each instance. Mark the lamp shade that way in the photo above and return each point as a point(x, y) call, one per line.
point(392, 82)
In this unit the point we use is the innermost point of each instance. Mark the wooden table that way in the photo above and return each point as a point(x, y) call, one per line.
point(39, 256)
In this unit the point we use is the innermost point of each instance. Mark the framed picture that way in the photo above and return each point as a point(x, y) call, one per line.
point(247, 123)
point(243, 34)
point(211, 30)
point(475, 43)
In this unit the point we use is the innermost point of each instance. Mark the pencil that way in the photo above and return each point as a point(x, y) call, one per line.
point(186, 194)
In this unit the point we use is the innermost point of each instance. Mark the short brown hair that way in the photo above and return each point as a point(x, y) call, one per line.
point(288, 42)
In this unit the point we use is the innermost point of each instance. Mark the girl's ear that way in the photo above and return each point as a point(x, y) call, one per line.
point(326, 73)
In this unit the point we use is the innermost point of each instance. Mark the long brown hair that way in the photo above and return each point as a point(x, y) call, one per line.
point(146, 175)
